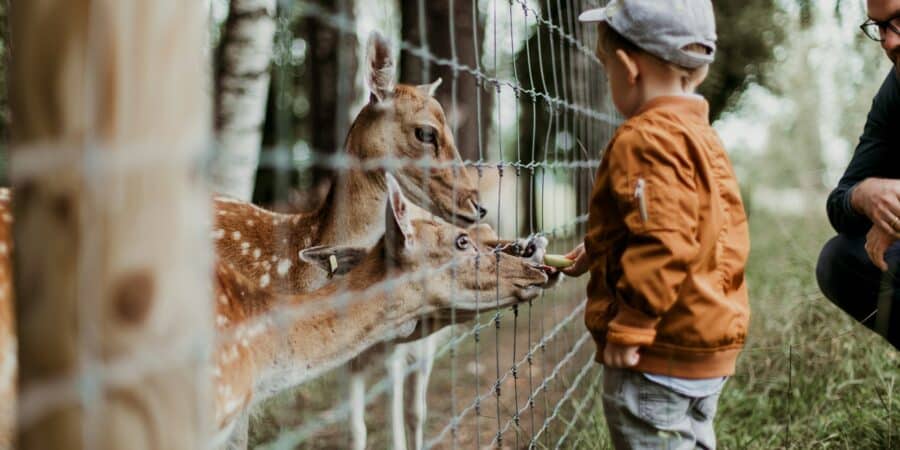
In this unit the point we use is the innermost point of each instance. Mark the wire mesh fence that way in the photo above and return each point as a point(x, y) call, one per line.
point(542, 117)
point(529, 107)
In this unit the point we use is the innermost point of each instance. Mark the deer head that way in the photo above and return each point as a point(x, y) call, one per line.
point(254, 361)
point(407, 122)
point(467, 276)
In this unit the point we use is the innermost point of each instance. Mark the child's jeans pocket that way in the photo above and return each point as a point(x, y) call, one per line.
point(659, 405)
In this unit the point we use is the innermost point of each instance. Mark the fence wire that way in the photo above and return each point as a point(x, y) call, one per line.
point(521, 376)
point(511, 372)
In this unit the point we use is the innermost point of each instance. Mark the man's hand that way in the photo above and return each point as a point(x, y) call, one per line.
point(877, 243)
point(879, 199)
point(581, 264)
point(620, 356)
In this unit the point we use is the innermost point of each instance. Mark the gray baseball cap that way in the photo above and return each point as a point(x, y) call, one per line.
point(663, 28)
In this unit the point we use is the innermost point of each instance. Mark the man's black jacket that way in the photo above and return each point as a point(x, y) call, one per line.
point(877, 155)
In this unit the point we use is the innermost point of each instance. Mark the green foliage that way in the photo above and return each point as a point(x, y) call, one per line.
point(747, 40)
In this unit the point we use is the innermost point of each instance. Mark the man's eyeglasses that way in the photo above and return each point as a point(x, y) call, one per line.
point(877, 31)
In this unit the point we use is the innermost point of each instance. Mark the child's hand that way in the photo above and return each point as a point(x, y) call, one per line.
point(581, 262)
point(620, 356)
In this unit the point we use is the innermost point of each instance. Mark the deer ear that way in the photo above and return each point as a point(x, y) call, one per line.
point(379, 68)
point(398, 226)
point(430, 89)
point(336, 260)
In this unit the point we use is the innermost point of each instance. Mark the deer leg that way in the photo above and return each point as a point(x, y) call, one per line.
point(397, 367)
point(425, 350)
point(358, 410)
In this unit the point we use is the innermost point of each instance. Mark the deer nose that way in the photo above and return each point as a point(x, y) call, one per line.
point(481, 211)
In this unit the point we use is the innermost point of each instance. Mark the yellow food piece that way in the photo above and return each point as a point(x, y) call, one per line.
point(558, 261)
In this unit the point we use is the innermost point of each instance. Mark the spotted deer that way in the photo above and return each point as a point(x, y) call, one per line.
point(400, 121)
point(264, 348)
point(408, 415)
point(265, 248)
point(408, 403)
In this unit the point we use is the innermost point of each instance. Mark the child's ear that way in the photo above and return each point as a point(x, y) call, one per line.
point(630, 65)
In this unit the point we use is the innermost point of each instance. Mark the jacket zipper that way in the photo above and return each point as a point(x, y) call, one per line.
point(639, 195)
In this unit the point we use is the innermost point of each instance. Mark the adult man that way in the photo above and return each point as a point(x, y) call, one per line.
point(859, 270)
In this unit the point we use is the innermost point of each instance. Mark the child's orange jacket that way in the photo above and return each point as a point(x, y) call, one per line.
point(668, 241)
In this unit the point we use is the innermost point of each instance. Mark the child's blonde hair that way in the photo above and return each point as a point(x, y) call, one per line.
point(609, 41)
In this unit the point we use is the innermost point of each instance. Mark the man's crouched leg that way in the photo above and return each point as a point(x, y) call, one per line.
point(848, 278)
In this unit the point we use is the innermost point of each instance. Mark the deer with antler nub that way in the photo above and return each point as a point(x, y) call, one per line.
point(400, 122)
point(267, 343)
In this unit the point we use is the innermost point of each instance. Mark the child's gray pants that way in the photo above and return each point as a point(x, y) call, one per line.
point(642, 414)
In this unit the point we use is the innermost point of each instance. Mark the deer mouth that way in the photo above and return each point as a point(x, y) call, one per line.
point(534, 283)
point(469, 217)
point(464, 220)
point(525, 292)
point(437, 200)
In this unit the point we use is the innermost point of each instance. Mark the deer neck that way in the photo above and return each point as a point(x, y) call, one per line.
point(264, 246)
point(355, 214)
point(326, 336)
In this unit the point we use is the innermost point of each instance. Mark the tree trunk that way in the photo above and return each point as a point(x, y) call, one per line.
point(467, 120)
point(242, 85)
point(326, 78)
point(112, 267)
point(550, 64)
point(537, 67)
point(332, 87)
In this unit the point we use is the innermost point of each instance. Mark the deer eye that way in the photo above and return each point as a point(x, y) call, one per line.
point(426, 135)
point(462, 242)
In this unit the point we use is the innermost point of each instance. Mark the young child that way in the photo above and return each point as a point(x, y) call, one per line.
point(667, 237)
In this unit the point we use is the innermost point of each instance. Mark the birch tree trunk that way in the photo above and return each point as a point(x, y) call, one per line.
point(113, 303)
point(242, 86)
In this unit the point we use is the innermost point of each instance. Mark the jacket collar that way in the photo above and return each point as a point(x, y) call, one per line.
point(685, 106)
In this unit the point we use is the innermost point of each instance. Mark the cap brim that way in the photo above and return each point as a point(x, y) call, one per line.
point(593, 15)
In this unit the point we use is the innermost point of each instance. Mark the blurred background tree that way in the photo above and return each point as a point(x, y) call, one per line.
point(748, 33)
point(308, 107)
point(316, 104)
point(466, 37)
point(4, 96)
point(792, 132)
point(747, 39)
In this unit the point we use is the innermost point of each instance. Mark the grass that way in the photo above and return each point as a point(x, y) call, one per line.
point(810, 377)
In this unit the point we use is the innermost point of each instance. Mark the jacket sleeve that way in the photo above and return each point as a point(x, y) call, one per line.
point(654, 181)
point(874, 157)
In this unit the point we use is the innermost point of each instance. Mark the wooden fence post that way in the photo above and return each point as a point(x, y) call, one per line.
point(110, 118)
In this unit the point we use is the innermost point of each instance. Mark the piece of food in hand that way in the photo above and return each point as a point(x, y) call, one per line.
point(558, 261)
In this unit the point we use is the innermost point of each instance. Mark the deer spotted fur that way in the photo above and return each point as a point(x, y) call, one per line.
point(264, 247)
point(263, 350)
point(265, 344)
